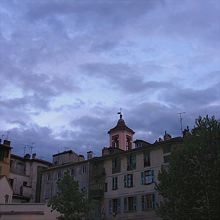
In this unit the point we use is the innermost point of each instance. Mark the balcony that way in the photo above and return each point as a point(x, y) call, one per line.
point(96, 193)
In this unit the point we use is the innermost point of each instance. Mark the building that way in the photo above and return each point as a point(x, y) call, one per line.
point(122, 181)
point(5, 155)
point(67, 161)
point(23, 173)
point(25, 177)
point(6, 191)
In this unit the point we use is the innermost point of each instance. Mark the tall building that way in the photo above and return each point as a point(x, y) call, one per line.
point(122, 181)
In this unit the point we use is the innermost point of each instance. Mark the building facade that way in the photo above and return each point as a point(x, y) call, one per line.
point(122, 181)
point(23, 173)
point(67, 161)
point(25, 177)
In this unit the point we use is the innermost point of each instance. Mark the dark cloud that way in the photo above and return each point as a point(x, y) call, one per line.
point(192, 98)
point(68, 66)
point(124, 77)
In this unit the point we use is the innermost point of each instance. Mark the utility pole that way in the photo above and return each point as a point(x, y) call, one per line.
point(181, 121)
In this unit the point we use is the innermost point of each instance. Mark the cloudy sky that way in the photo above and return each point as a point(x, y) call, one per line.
point(67, 67)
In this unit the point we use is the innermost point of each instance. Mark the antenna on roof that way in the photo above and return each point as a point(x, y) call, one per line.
point(181, 121)
point(25, 147)
point(31, 147)
point(7, 136)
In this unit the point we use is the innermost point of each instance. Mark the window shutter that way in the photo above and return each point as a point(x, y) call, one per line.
point(125, 181)
point(125, 204)
point(135, 203)
point(134, 161)
point(119, 205)
point(153, 200)
point(143, 203)
point(110, 206)
point(152, 174)
point(142, 178)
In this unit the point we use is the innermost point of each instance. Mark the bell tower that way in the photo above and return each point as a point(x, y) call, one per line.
point(121, 136)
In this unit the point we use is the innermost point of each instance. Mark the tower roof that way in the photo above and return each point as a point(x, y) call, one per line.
point(121, 126)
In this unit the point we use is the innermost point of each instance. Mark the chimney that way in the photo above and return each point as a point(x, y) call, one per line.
point(105, 151)
point(6, 142)
point(33, 155)
point(167, 136)
point(27, 156)
point(89, 155)
point(81, 157)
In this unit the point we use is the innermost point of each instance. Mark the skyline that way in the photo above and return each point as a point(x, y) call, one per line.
point(68, 67)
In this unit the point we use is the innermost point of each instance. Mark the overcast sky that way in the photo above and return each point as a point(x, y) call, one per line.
point(67, 67)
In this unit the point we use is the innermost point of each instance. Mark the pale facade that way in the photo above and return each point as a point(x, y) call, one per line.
point(25, 177)
point(130, 190)
point(78, 169)
point(122, 181)
point(6, 191)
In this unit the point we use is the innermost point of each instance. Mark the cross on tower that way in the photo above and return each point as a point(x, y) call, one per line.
point(120, 113)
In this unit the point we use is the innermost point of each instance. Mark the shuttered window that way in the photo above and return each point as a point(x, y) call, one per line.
point(147, 177)
point(148, 202)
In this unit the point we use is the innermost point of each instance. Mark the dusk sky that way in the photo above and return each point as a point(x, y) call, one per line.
point(67, 67)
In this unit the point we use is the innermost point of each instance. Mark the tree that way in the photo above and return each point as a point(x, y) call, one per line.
point(190, 185)
point(70, 201)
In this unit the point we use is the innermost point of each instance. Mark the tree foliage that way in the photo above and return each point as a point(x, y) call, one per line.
point(190, 185)
point(70, 201)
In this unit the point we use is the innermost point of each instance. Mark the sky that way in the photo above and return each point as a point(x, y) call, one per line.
point(67, 67)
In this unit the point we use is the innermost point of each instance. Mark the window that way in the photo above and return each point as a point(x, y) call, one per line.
point(138, 144)
point(6, 199)
point(147, 177)
point(148, 202)
point(128, 143)
point(59, 174)
point(106, 187)
point(146, 159)
point(72, 172)
point(48, 177)
point(128, 180)
point(130, 204)
point(114, 206)
point(167, 149)
point(84, 169)
point(166, 158)
point(115, 141)
point(116, 165)
point(114, 183)
point(1, 155)
point(11, 181)
point(131, 162)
